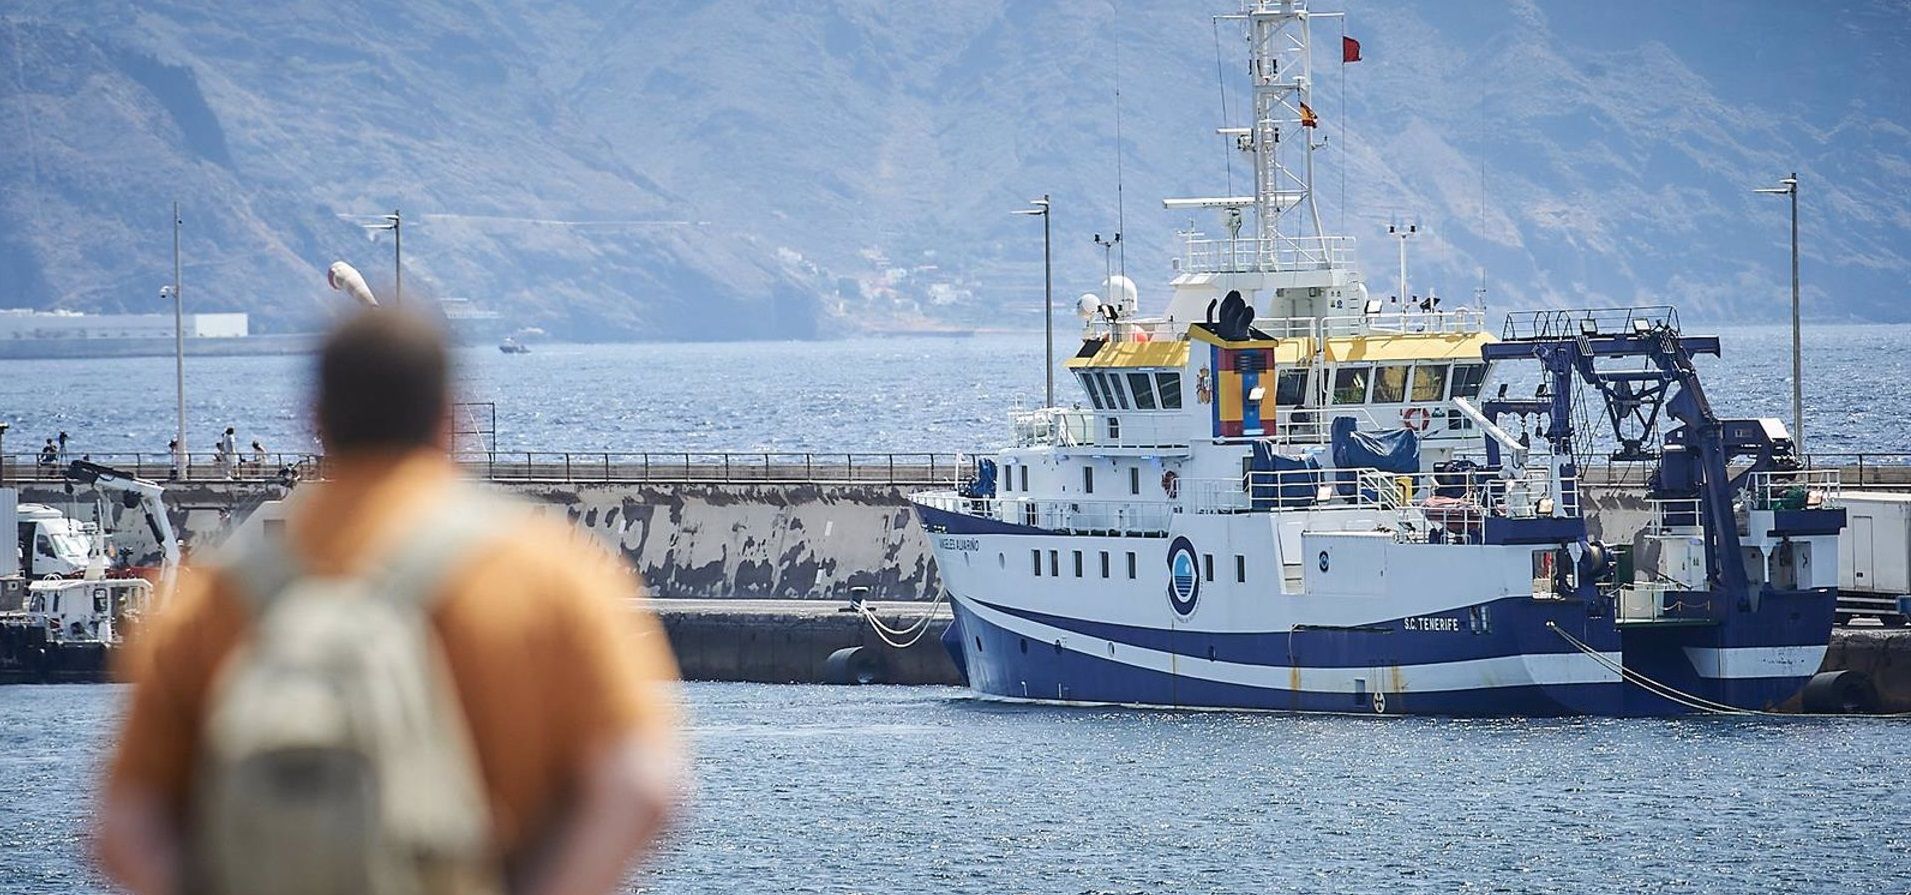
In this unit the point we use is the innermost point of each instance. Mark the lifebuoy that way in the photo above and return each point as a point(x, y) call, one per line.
point(1170, 483)
point(1416, 418)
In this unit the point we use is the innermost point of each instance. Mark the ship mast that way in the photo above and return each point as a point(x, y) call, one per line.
point(1281, 68)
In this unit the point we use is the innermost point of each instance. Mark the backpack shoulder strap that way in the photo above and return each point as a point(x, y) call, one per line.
point(464, 517)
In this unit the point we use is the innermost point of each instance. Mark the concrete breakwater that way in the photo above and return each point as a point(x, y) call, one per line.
point(700, 539)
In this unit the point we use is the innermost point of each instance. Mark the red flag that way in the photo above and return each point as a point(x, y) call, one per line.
point(1349, 50)
point(1308, 118)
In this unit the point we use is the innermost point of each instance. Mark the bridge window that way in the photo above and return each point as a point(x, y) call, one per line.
point(1078, 563)
point(1104, 563)
point(1170, 384)
point(1131, 565)
point(1054, 564)
point(1390, 384)
point(1092, 383)
point(1240, 568)
point(1134, 480)
point(1207, 566)
point(1143, 385)
point(1088, 480)
point(1116, 395)
point(1290, 389)
point(1350, 385)
point(1430, 383)
point(1037, 555)
point(1467, 379)
point(1024, 487)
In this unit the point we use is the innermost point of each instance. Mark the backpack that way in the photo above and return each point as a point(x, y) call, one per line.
point(335, 757)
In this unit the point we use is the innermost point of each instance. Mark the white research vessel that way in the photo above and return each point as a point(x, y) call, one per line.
point(1287, 494)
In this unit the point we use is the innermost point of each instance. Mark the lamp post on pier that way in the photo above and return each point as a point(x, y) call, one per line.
point(179, 352)
point(1789, 187)
point(1040, 207)
point(394, 222)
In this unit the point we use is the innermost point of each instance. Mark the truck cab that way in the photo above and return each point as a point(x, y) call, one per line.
point(49, 543)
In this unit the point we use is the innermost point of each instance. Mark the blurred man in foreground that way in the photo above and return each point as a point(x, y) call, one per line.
point(490, 715)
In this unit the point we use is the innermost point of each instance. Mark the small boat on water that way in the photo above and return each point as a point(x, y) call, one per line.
point(511, 345)
point(1284, 493)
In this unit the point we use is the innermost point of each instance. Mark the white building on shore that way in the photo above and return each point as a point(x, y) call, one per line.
point(27, 324)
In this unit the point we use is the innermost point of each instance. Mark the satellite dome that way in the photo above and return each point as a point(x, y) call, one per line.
point(1121, 293)
point(1088, 306)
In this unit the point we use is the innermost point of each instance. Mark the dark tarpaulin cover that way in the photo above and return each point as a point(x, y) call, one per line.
point(1397, 450)
point(983, 485)
point(1296, 487)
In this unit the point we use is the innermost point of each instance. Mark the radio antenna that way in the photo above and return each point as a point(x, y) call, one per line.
point(1121, 216)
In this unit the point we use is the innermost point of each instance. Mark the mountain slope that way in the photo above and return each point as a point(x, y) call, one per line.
point(721, 170)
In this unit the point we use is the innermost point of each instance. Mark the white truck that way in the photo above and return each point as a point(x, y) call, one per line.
point(1874, 557)
point(49, 544)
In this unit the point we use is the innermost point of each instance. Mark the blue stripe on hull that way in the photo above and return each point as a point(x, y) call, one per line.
point(1001, 662)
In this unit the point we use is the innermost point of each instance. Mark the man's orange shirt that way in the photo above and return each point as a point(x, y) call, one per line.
point(551, 658)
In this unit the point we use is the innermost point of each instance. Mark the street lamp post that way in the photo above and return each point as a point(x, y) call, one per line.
point(394, 222)
point(397, 257)
point(1789, 187)
point(3, 450)
point(1040, 207)
point(179, 353)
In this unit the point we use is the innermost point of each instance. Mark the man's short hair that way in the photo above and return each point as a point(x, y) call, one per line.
point(384, 381)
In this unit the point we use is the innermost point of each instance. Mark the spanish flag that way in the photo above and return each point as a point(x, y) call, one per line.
point(1308, 119)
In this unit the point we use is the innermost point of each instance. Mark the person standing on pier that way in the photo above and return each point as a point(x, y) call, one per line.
point(228, 452)
point(553, 760)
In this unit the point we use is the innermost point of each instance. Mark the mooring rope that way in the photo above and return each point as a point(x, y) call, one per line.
point(908, 636)
point(1698, 703)
point(1688, 700)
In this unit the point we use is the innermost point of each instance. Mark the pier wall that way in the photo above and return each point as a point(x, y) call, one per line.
point(690, 539)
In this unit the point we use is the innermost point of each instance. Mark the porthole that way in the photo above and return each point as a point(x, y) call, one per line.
point(1025, 646)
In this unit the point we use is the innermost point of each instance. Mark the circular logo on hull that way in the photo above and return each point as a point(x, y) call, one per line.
point(1184, 577)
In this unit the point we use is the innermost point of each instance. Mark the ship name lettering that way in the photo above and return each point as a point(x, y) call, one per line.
point(965, 544)
point(1432, 623)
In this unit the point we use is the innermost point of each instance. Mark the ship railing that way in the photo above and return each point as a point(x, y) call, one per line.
point(1071, 427)
point(1458, 321)
point(1052, 427)
point(1315, 425)
point(1642, 602)
point(1427, 507)
point(1672, 515)
point(1148, 330)
point(1251, 254)
point(1797, 489)
point(1081, 516)
point(1570, 323)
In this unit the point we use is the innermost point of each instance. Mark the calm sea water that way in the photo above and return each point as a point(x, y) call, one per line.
point(920, 790)
point(897, 394)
